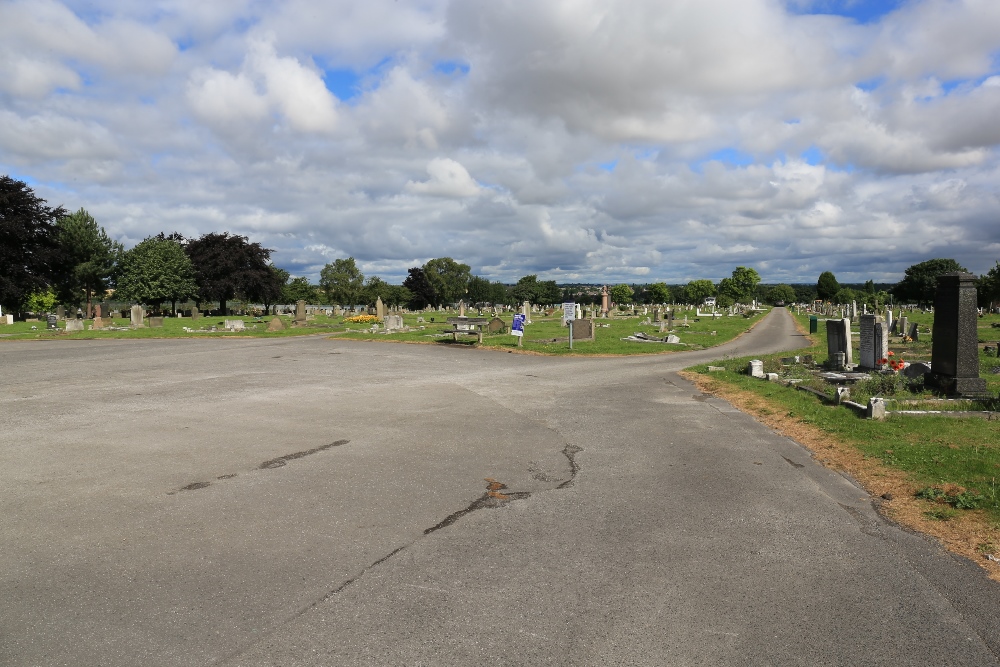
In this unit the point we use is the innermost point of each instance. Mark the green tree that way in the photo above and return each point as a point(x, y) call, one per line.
point(343, 282)
point(448, 278)
point(29, 247)
point(919, 282)
point(659, 293)
point(526, 289)
point(421, 292)
point(781, 294)
point(726, 288)
point(90, 257)
point(548, 292)
point(299, 289)
point(229, 266)
point(827, 286)
point(745, 282)
point(697, 291)
point(621, 294)
point(156, 270)
point(397, 296)
point(845, 295)
point(42, 301)
point(375, 289)
point(988, 287)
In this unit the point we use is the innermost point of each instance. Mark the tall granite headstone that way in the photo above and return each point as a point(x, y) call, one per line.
point(955, 339)
point(300, 313)
point(874, 341)
point(380, 309)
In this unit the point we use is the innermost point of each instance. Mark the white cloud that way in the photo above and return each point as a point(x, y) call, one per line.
point(447, 179)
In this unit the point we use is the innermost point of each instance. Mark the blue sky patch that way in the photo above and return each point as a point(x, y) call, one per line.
point(451, 68)
point(608, 166)
point(862, 11)
point(813, 155)
point(344, 83)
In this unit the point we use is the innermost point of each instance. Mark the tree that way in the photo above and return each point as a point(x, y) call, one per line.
point(845, 295)
point(29, 249)
point(621, 294)
point(548, 292)
point(781, 294)
point(342, 282)
point(299, 289)
point(827, 286)
point(42, 301)
point(745, 283)
point(659, 293)
point(375, 289)
point(229, 266)
point(448, 278)
point(726, 289)
point(156, 270)
point(397, 295)
point(989, 287)
point(526, 289)
point(90, 258)
point(421, 292)
point(919, 282)
point(479, 290)
point(697, 291)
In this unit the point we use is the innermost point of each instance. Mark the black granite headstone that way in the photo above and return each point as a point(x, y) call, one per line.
point(955, 345)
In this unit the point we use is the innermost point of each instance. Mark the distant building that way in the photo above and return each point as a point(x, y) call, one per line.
point(710, 301)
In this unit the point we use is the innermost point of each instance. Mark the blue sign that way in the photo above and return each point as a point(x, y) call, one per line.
point(517, 328)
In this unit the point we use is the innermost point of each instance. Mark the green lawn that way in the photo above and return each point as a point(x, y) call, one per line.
point(545, 335)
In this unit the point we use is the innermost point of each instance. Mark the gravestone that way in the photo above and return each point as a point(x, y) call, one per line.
point(98, 311)
point(656, 315)
point(583, 329)
point(157, 322)
point(496, 325)
point(526, 311)
point(52, 322)
point(605, 301)
point(60, 313)
point(276, 325)
point(300, 313)
point(6, 319)
point(195, 314)
point(838, 339)
point(672, 339)
point(393, 322)
point(74, 325)
point(914, 332)
point(461, 308)
point(755, 368)
point(917, 369)
point(874, 341)
point(137, 317)
point(229, 325)
point(380, 308)
point(99, 323)
point(955, 337)
point(888, 318)
point(901, 325)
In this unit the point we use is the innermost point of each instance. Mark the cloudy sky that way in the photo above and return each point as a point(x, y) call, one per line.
point(582, 140)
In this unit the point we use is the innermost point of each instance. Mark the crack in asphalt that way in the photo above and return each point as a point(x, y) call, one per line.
point(266, 465)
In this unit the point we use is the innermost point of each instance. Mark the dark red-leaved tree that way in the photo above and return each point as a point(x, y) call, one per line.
point(228, 266)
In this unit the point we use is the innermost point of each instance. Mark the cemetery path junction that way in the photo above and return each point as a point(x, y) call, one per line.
point(313, 501)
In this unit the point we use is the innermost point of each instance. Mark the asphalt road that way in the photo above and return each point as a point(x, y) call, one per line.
point(321, 502)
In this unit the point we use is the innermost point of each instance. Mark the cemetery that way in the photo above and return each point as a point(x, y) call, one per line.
point(906, 402)
point(638, 330)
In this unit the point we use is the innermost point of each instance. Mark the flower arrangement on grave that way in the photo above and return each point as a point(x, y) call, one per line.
point(362, 319)
point(895, 365)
